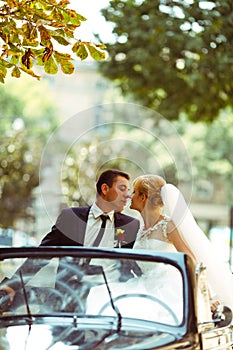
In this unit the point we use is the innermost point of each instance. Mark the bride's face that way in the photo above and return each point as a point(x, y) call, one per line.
point(137, 201)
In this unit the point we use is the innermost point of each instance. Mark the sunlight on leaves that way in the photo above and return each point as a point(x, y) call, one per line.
point(26, 26)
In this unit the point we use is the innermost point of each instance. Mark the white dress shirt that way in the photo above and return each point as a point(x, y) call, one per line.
point(93, 225)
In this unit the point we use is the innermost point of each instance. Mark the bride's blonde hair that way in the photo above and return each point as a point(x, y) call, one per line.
point(150, 185)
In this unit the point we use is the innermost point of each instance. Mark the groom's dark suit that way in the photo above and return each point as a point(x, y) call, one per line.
point(69, 229)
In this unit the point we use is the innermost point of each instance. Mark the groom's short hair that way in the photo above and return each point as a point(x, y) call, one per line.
point(108, 177)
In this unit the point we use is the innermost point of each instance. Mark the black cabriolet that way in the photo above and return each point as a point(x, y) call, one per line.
point(93, 298)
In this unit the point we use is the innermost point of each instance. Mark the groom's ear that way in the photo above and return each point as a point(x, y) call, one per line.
point(104, 188)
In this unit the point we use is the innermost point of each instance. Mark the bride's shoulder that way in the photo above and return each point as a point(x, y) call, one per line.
point(166, 219)
point(170, 224)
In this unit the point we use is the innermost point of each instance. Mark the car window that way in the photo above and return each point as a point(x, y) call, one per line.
point(53, 291)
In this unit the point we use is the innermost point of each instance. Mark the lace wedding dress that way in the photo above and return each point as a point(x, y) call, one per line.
point(161, 282)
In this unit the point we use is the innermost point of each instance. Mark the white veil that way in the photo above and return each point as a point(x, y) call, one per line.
point(219, 275)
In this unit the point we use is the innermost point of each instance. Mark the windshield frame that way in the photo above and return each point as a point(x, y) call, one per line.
point(187, 328)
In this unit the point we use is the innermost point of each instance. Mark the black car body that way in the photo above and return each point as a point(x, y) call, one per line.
point(66, 299)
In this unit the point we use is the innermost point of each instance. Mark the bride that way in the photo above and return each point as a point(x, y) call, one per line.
point(160, 232)
point(176, 232)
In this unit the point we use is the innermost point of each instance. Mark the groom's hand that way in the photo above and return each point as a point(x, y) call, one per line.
point(6, 297)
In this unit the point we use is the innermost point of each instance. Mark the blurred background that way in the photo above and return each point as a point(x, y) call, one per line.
point(160, 103)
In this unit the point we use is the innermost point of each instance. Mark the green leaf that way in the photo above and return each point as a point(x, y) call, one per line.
point(30, 72)
point(44, 33)
point(15, 59)
point(61, 40)
point(47, 43)
point(3, 71)
point(26, 29)
point(59, 56)
point(76, 18)
point(14, 48)
point(60, 32)
point(80, 51)
point(69, 32)
point(30, 43)
point(66, 17)
point(95, 53)
point(15, 38)
point(28, 25)
point(6, 30)
point(80, 17)
point(67, 67)
point(37, 52)
point(16, 72)
point(38, 56)
point(39, 59)
point(50, 66)
point(33, 34)
point(4, 63)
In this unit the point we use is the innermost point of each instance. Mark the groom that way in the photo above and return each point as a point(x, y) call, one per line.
point(79, 226)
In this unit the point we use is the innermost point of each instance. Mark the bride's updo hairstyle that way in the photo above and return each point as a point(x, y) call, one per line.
point(150, 185)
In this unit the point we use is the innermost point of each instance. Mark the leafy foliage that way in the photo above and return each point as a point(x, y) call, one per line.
point(83, 164)
point(173, 56)
point(114, 146)
point(211, 150)
point(207, 178)
point(19, 159)
point(26, 120)
point(31, 31)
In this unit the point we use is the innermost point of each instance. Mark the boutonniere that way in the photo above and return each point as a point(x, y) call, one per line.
point(120, 235)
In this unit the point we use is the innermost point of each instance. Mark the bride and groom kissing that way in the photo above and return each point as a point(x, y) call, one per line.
point(104, 224)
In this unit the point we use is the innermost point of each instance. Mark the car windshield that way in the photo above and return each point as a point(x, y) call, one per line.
point(68, 292)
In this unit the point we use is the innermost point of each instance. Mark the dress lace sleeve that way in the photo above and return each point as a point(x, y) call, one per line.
point(163, 224)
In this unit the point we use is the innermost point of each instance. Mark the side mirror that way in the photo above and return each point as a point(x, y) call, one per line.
point(222, 317)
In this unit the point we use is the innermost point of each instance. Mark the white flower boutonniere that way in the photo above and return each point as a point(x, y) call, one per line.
point(120, 235)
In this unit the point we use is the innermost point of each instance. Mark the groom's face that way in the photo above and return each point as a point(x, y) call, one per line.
point(118, 194)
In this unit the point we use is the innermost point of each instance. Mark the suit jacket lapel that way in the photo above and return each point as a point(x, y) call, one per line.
point(82, 214)
point(130, 227)
point(119, 220)
point(120, 223)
